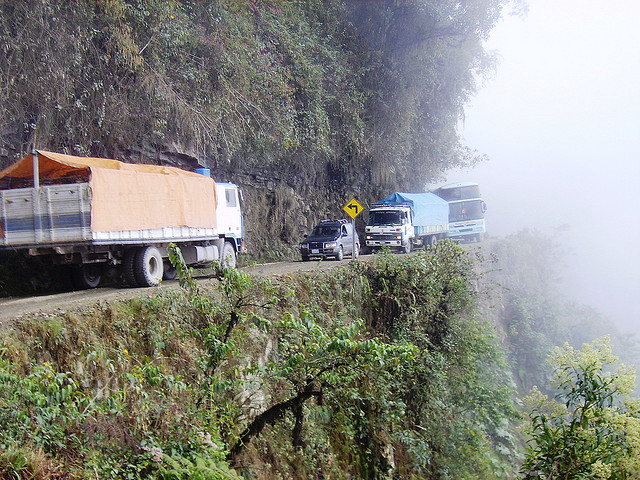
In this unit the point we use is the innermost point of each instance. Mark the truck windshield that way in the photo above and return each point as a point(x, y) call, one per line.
point(384, 218)
point(471, 210)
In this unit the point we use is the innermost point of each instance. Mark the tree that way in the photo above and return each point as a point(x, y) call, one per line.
point(314, 361)
point(592, 430)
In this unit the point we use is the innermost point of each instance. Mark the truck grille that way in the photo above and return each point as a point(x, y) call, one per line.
point(381, 237)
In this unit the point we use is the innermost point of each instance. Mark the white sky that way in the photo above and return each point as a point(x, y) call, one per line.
point(561, 124)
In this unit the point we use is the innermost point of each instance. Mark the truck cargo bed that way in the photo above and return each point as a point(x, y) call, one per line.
point(430, 229)
point(61, 215)
point(51, 214)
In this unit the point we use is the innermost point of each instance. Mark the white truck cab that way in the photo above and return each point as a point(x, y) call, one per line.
point(406, 220)
point(228, 212)
point(391, 226)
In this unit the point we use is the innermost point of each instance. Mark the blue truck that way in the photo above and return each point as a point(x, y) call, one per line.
point(403, 221)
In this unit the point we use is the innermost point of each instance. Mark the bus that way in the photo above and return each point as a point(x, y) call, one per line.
point(466, 211)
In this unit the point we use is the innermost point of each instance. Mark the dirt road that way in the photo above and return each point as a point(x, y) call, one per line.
point(14, 308)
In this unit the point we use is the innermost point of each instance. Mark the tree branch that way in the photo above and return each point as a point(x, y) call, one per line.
point(270, 417)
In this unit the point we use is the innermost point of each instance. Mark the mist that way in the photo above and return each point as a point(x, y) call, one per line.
point(560, 122)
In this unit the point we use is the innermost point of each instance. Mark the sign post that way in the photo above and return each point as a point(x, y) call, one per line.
point(353, 209)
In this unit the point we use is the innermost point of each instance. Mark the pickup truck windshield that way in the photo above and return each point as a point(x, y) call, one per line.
point(384, 218)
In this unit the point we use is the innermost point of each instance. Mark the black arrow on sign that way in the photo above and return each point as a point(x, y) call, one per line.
point(352, 206)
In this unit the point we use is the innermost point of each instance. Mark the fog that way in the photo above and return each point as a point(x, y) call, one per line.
point(560, 122)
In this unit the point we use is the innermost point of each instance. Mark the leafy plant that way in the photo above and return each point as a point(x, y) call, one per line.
point(593, 430)
point(196, 469)
point(460, 375)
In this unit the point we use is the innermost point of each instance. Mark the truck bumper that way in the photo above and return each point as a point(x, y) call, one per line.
point(381, 243)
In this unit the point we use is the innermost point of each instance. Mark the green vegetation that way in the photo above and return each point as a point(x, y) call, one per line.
point(593, 432)
point(400, 366)
point(524, 296)
point(589, 428)
point(377, 369)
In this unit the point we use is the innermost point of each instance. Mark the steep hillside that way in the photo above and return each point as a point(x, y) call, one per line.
point(303, 103)
point(373, 371)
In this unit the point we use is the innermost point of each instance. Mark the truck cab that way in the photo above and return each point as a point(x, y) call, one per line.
point(230, 221)
point(390, 226)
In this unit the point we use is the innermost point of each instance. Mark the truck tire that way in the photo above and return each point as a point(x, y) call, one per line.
point(86, 276)
point(169, 271)
point(340, 254)
point(356, 251)
point(407, 247)
point(129, 267)
point(433, 239)
point(228, 258)
point(148, 266)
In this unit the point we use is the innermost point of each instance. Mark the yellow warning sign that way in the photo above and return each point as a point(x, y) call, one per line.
point(353, 208)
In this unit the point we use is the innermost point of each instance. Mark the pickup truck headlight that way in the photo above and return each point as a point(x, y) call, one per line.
point(330, 245)
point(304, 246)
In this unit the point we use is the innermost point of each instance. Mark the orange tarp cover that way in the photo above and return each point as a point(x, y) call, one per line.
point(128, 196)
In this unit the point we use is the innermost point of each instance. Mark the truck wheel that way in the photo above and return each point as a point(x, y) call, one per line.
point(305, 258)
point(129, 267)
point(433, 240)
point(169, 272)
point(407, 247)
point(340, 254)
point(148, 266)
point(86, 276)
point(356, 251)
point(228, 255)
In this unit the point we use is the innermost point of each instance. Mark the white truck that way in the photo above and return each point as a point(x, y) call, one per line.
point(103, 217)
point(403, 221)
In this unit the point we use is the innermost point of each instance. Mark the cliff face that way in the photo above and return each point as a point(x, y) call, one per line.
point(304, 104)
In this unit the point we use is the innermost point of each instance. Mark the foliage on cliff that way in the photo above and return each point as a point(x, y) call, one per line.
point(314, 100)
point(376, 370)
